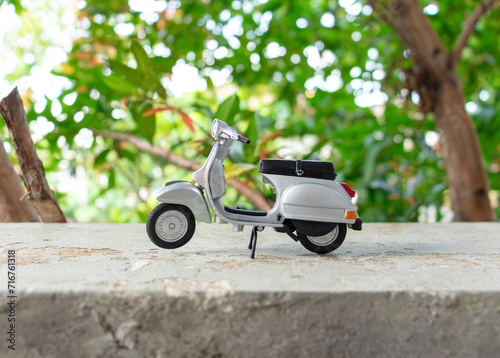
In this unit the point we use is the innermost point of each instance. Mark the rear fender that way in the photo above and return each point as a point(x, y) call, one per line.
point(185, 193)
point(317, 202)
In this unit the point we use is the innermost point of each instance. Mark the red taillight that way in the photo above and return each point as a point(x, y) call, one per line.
point(348, 189)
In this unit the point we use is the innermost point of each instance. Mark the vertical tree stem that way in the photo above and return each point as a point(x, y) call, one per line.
point(33, 174)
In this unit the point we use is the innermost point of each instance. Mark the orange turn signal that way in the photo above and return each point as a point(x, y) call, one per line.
point(349, 214)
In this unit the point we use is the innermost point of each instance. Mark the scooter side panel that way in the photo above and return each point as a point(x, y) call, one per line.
point(316, 202)
point(185, 193)
point(217, 180)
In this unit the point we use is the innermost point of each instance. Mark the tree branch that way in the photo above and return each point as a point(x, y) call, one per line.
point(32, 172)
point(468, 29)
point(12, 206)
point(256, 197)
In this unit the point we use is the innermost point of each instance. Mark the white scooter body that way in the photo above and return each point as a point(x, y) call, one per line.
point(300, 198)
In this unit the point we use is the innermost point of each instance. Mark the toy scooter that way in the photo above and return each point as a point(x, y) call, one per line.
point(311, 207)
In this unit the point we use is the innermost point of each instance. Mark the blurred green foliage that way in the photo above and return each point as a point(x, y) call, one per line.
point(277, 92)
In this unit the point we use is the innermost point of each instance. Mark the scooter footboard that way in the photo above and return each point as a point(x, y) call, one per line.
point(185, 193)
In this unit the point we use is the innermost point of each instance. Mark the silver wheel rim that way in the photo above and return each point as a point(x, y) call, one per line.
point(171, 226)
point(325, 240)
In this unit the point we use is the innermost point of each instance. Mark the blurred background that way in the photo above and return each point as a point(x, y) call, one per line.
point(108, 85)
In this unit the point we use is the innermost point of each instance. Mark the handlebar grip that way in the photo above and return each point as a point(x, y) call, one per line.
point(243, 139)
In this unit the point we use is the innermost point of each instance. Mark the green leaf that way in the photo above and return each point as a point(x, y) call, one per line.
point(125, 153)
point(17, 4)
point(111, 178)
point(228, 109)
point(233, 170)
point(252, 134)
point(370, 163)
point(119, 84)
point(144, 63)
point(146, 68)
point(129, 73)
point(101, 158)
point(146, 126)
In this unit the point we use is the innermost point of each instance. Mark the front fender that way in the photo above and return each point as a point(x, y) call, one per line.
point(185, 193)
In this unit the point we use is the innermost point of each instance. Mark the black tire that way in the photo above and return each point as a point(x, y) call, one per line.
point(181, 226)
point(326, 243)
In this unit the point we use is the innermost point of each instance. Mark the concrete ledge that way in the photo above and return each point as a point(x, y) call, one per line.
point(392, 290)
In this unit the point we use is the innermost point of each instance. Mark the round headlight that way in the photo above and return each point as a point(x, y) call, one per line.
point(215, 128)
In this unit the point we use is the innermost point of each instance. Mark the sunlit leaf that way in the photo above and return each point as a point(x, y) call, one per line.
point(131, 74)
point(251, 133)
point(147, 69)
point(234, 170)
point(143, 61)
point(146, 126)
point(111, 178)
point(119, 84)
point(228, 109)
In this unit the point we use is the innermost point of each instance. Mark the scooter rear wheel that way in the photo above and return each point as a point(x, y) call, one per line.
point(170, 226)
point(325, 243)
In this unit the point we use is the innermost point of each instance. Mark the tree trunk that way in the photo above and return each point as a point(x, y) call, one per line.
point(33, 174)
point(12, 208)
point(435, 78)
point(462, 155)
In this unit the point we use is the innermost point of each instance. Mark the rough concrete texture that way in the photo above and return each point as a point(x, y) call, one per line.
point(392, 290)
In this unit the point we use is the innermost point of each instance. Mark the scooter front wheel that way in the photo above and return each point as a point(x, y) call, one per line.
point(325, 243)
point(170, 226)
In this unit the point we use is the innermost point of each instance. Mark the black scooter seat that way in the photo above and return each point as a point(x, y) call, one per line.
point(317, 169)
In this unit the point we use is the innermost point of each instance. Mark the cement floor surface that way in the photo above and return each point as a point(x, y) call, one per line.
point(382, 257)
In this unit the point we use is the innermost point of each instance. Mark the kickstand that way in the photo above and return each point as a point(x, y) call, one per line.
point(253, 242)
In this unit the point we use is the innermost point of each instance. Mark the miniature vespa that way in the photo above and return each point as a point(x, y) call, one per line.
point(311, 207)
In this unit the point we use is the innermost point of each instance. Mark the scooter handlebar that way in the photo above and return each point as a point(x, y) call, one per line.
point(243, 139)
